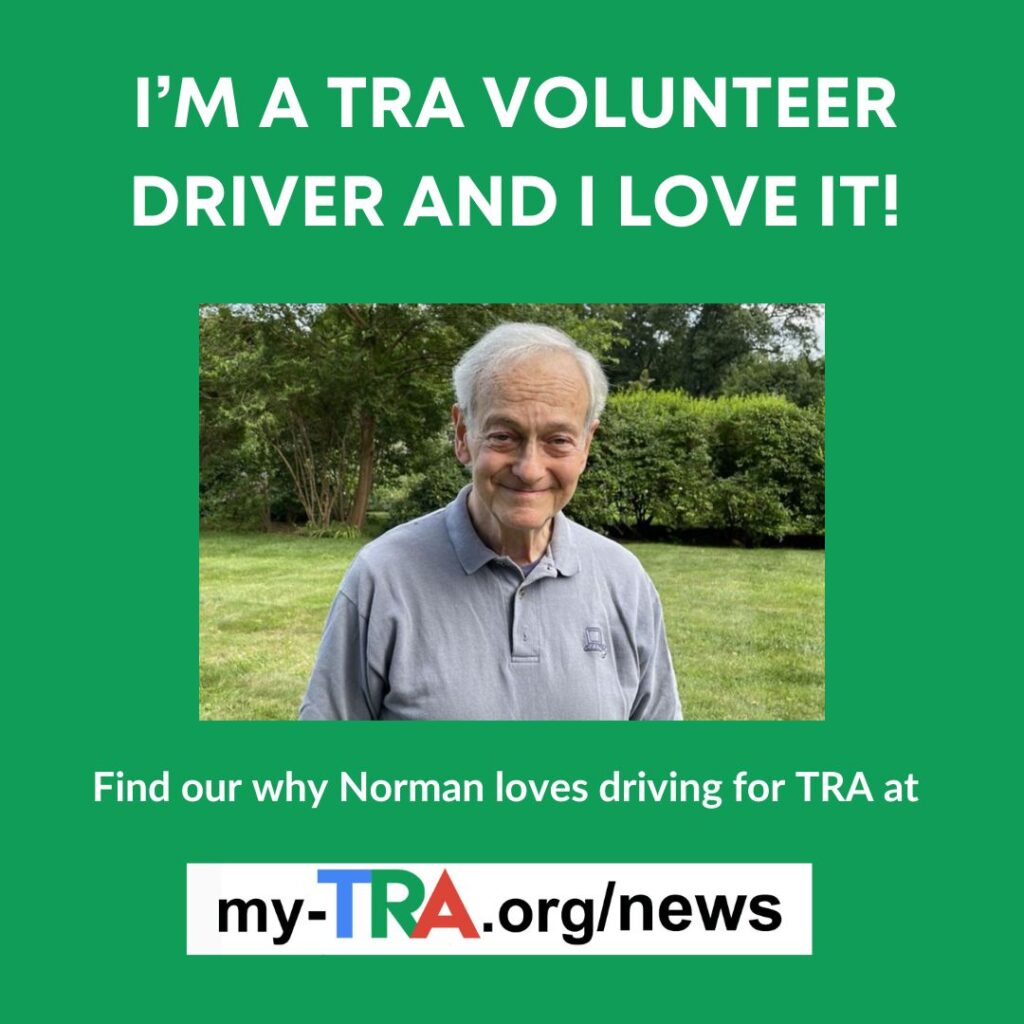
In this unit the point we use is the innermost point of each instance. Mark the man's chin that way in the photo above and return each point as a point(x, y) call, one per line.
point(519, 518)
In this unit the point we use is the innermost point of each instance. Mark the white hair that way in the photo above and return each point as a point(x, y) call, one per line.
point(510, 343)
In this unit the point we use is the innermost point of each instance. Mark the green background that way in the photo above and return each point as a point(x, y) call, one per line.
point(102, 537)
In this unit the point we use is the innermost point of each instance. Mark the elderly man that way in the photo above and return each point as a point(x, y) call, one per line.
point(497, 606)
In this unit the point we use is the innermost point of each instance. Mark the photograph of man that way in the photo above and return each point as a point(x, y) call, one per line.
point(498, 606)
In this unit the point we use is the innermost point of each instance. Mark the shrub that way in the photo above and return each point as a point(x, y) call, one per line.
point(648, 464)
point(336, 531)
point(434, 480)
point(743, 468)
point(770, 454)
point(747, 468)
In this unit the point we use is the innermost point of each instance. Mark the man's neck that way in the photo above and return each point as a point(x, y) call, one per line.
point(522, 546)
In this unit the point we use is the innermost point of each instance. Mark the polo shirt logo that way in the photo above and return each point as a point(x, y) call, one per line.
point(594, 641)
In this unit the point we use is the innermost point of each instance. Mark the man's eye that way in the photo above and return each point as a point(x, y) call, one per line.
point(499, 438)
point(561, 442)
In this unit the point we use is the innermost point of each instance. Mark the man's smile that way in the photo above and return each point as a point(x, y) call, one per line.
point(525, 490)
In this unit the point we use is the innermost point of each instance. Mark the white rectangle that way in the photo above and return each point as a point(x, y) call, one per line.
point(459, 909)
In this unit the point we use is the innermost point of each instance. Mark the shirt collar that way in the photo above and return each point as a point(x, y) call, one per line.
point(473, 553)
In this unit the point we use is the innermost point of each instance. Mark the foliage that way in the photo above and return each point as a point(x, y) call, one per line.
point(336, 531)
point(239, 475)
point(801, 380)
point(693, 347)
point(649, 462)
point(769, 461)
point(436, 477)
point(745, 469)
point(303, 409)
point(312, 404)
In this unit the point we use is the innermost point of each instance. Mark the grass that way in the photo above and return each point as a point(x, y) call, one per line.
point(746, 628)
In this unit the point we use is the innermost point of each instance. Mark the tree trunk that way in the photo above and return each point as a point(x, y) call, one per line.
point(265, 495)
point(361, 498)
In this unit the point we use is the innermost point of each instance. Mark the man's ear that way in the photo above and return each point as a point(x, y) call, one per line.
point(590, 437)
point(461, 444)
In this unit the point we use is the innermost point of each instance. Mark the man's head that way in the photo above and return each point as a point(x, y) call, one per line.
point(528, 402)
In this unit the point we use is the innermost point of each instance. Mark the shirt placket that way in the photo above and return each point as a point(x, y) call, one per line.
point(526, 613)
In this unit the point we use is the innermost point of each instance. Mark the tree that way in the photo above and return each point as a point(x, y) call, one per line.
point(801, 380)
point(338, 391)
point(402, 356)
point(645, 342)
point(694, 346)
point(239, 473)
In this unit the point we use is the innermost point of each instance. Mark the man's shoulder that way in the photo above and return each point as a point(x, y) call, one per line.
point(409, 542)
point(604, 553)
point(408, 559)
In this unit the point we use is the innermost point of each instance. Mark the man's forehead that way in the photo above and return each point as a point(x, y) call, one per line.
point(553, 381)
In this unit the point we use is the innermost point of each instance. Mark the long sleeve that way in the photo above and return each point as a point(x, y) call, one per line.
point(658, 695)
point(342, 685)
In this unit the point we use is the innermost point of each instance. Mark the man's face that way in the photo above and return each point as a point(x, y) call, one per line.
point(529, 442)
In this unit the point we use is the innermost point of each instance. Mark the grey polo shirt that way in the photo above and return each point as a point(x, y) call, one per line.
point(430, 623)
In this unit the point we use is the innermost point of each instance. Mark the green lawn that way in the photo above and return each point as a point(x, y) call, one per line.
point(746, 628)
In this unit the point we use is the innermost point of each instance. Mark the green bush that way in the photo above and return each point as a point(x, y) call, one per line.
point(801, 380)
point(336, 531)
point(769, 465)
point(435, 478)
point(649, 463)
point(745, 468)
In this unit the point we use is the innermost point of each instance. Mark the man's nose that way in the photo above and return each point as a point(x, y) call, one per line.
point(528, 465)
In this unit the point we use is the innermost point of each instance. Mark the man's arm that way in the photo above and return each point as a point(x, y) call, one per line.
point(342, 685)
point(657, 697)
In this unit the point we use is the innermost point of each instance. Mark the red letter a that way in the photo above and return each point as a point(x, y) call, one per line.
point(445, 895)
